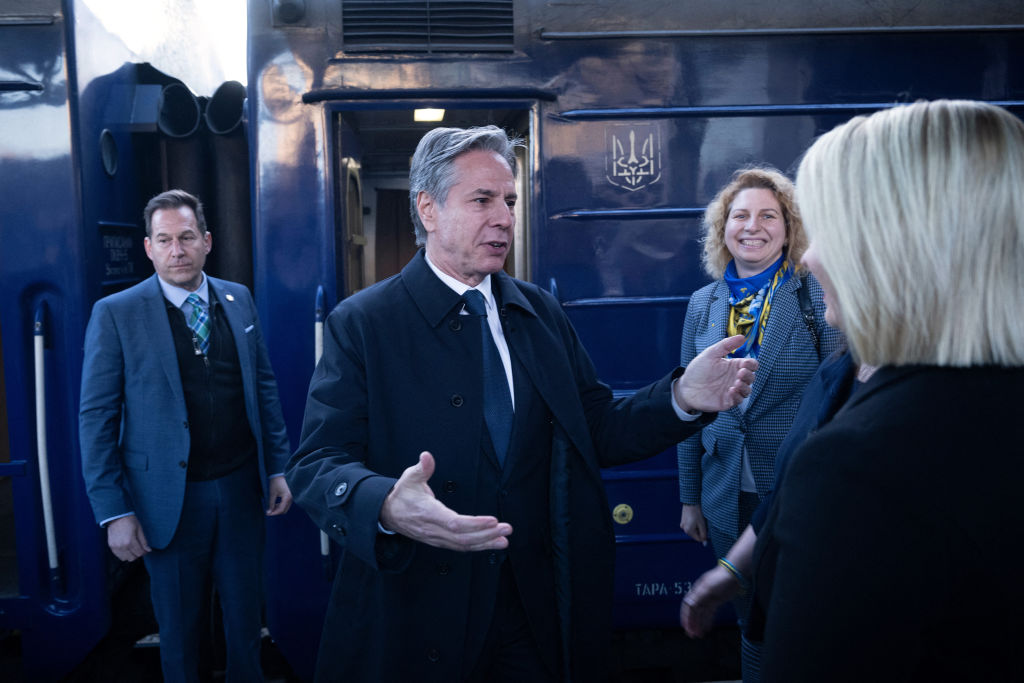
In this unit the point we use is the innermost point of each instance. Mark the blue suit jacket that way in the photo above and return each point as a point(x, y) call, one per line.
point(710, 462)
point(133, 424)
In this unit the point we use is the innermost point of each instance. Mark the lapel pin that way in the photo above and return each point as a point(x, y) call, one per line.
point(230, 298)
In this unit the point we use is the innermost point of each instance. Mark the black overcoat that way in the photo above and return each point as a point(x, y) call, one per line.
point(892, 551)
point(400, 374)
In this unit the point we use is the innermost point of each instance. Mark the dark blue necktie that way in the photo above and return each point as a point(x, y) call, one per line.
point(498, 412)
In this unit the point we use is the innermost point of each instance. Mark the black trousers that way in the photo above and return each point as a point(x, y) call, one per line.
point(510, 653)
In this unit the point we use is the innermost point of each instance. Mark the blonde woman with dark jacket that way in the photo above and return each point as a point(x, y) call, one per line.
point(893, 552)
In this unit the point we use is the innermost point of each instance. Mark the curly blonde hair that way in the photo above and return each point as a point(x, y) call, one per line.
point(716, 255)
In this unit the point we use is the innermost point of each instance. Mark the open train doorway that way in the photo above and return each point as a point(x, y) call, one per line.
point(373, 149)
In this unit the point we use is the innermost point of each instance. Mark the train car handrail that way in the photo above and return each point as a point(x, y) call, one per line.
point(318, 350)
point(629, 214)
point(39, 339)
point(429, 93)
point(759, 32)
point(20, 86)
point(850, 108)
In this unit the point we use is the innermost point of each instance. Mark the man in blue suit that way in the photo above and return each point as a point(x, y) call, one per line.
point(182, 435)
point(452, 441)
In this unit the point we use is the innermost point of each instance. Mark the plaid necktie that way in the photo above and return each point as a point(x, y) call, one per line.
point(498, 412)
point(199, 322)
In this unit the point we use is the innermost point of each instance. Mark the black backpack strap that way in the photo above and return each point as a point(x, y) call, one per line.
point(803, 293)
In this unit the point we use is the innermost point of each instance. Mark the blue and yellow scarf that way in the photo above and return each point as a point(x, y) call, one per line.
point(750, 301)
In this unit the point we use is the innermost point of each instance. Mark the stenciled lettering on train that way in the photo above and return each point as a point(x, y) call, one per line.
point(657, 589)
point(633, 157)
point(120, 250)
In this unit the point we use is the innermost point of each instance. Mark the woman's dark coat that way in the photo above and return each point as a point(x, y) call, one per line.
point(893, 550)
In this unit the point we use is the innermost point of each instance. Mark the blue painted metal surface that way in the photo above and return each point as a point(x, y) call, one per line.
point(78, 125)
point(631, 132)
point(617, 239)
point(41, 271)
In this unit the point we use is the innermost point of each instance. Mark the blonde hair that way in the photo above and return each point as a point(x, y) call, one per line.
point(917, 215)
point(716, 254)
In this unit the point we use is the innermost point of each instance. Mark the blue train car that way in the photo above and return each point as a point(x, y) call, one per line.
point(88, 131)
point(635, 113)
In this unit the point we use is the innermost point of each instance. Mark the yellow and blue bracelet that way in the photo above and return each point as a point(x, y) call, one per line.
point(731, 568)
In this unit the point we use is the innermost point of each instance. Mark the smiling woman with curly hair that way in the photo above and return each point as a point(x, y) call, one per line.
point(753, 240)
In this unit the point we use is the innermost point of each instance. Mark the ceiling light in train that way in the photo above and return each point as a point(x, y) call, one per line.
point(428, 115)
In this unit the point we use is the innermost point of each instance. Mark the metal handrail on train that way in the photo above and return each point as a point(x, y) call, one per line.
point(318, 350)
point(786, 31)
point(39, 339)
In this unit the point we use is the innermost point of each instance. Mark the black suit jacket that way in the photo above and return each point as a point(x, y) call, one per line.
point(401, 374)
point(893, 550)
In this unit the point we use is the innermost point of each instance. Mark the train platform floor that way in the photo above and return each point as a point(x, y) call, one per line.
point(638, 659)
point(127, 655)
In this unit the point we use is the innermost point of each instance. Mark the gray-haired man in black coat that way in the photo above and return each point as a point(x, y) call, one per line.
point(472, 553)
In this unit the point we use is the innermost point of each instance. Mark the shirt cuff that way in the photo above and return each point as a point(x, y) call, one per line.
point(680, 413)
point(108, 520)
point(380, 528)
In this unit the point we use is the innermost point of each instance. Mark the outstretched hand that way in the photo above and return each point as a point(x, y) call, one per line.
point(713, 589)
point(412, 510)
point(713, 382)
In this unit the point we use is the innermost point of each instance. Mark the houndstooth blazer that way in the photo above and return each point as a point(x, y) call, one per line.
point(710, 462)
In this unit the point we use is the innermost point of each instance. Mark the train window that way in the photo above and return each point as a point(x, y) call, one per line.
point(108, 152)
point(8, 554)
point(374, 230)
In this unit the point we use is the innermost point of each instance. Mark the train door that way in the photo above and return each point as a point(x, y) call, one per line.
point(50, 569)
point(374, 147)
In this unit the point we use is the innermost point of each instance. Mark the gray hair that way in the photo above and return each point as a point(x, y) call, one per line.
point(433, 164)
point(174, 199)
point(917, 216)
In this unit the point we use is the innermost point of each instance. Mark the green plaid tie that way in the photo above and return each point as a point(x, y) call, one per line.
point(199, 322)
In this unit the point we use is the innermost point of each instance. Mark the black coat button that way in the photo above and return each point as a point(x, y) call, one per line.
point(457, 400)
point(454, 324)
point(182, 464)
point(444, 569)
point(450, 486)
point(433, 655)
